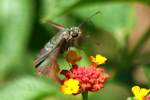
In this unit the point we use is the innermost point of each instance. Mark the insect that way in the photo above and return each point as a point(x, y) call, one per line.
point(48, 55)
point(45, 63)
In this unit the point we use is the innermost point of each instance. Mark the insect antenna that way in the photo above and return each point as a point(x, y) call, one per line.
point(53, 24)
point(88, 19)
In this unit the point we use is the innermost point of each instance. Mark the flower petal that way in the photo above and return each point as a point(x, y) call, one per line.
point(139, 93)
point(136, 91)
point(144, 92)
point(70, 86)
point(99, 59)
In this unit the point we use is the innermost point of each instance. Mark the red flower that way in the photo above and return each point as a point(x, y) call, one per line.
point(147, 97)
point(90, 78)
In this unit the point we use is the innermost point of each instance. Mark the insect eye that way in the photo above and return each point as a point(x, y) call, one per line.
point(74, 35)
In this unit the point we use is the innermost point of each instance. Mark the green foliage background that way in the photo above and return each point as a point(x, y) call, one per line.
point(23, 33)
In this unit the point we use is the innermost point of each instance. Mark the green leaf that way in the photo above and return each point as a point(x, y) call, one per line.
point(16, 21)
point(84, 58)
point(111, 91)
point(63, 64)
point(130, 98)
point(27, 88)
point(147, 71)
point(52, 8)
point(116, 18)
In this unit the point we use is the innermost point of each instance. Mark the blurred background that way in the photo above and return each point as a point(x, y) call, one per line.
point(121, 32)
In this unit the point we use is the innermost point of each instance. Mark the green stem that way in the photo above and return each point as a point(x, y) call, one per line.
point(85, 95)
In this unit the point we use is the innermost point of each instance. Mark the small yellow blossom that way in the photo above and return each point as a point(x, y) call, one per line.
point(139, 93)
point(99, 59)
point(70, 86)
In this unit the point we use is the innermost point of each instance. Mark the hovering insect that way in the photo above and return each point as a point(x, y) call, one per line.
point(45, 63)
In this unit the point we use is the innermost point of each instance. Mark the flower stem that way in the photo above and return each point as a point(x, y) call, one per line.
point(85, 95)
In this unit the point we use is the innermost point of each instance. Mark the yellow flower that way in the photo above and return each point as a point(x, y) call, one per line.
point(70, 86)
point(139, 93)
point(99, 59)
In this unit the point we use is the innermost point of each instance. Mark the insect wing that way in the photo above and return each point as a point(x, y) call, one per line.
point(45, 68)
point(49, 49)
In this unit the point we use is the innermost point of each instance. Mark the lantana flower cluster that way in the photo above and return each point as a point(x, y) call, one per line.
point(140, 93)
point(83, 78)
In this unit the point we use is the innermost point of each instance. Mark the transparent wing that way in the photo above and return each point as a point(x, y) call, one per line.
point(46, 66)
point(49, 48)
